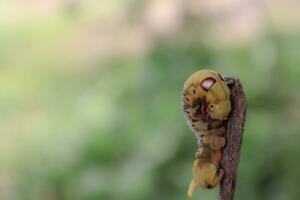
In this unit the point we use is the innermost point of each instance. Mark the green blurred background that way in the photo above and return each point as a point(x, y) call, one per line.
point(90, 96)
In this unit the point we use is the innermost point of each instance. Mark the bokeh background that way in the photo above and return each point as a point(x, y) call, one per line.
point(90, 96)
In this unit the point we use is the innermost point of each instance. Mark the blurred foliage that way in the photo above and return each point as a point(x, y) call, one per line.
point(90, 102)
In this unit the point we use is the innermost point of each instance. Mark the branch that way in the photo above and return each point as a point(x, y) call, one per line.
point(231, 152)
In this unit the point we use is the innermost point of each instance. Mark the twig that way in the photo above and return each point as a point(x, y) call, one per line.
point(231, 152)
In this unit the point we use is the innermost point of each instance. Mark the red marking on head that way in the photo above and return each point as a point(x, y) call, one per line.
point(203, 110)
point(207, 83)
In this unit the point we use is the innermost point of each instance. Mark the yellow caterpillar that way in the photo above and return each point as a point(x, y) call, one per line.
point(206, 105)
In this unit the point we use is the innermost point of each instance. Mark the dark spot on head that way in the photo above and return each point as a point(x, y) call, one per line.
point(193, 125)
point(187, 112)
point(187, 99)
point(194, 91)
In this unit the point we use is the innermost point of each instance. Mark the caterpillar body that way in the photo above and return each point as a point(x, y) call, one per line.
point(206, 105)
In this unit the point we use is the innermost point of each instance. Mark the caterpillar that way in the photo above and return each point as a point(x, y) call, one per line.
point(206, 106)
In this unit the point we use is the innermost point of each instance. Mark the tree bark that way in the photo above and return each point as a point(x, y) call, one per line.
point(231, 152)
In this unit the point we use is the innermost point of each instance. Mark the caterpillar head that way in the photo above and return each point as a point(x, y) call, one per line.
point(206, 95)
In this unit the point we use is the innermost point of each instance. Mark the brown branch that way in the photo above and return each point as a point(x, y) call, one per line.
point(231, 152)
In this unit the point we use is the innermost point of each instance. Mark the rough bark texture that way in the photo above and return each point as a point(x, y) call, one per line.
point(231, 152)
